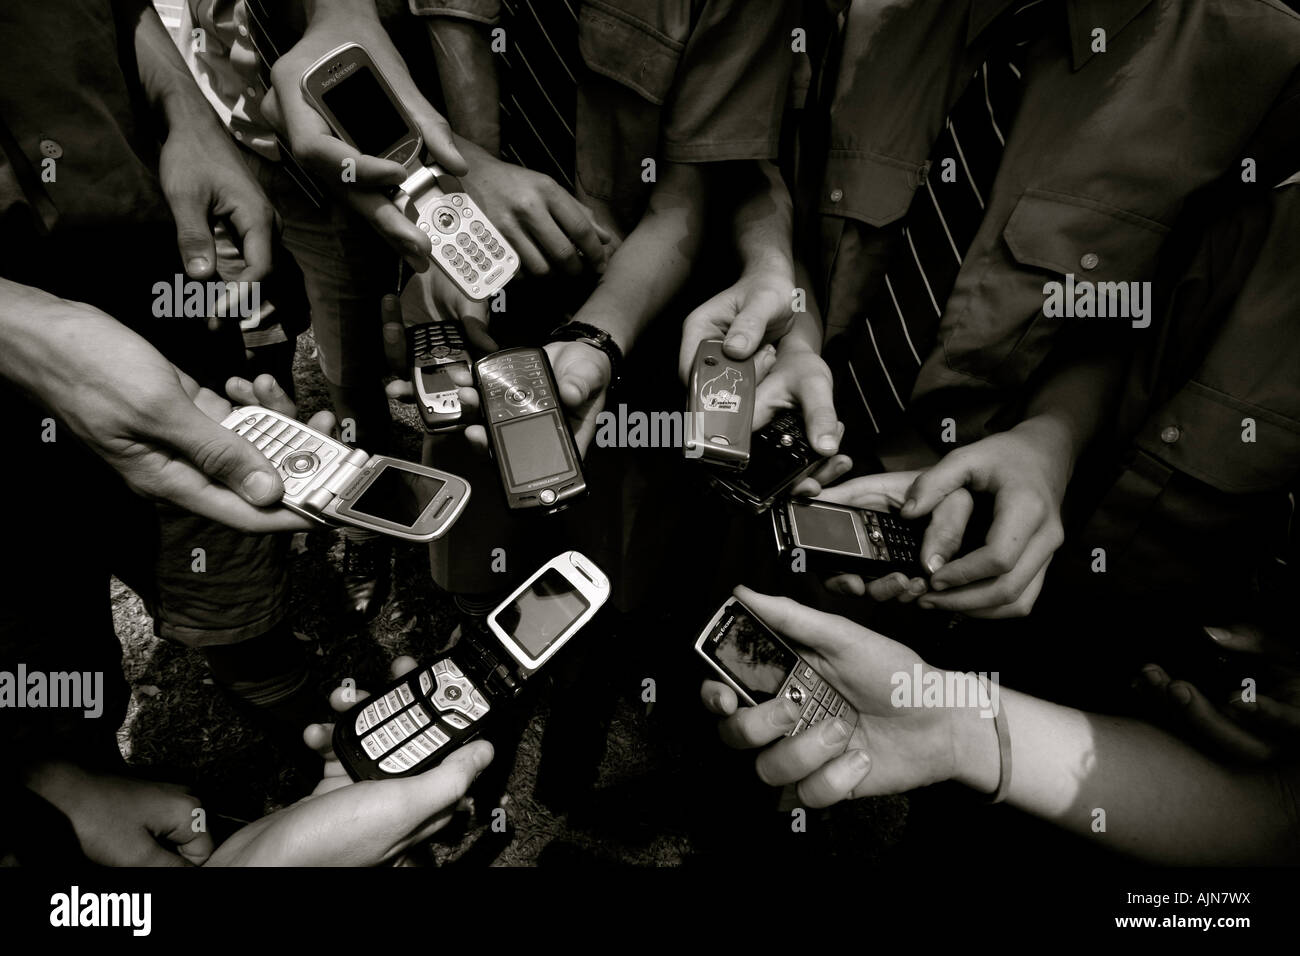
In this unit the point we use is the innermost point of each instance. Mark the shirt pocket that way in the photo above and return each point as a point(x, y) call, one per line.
point(1000, 333)
point(619, 46)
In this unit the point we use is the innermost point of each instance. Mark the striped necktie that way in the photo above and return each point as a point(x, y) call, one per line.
point(539, 92)
point(899, 325)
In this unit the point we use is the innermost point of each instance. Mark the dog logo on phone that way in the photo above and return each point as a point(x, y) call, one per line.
point(719, 393)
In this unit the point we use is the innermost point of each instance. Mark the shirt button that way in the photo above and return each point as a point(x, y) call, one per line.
point(1089, 260)
point(252, 92)
point(1170, 434)
point(51, 149)
point(243, 30)
point(837, 195)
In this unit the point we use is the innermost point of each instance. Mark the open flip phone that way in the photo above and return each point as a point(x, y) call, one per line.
point(436, 348)
point(720, 408)
point(413, 723)
point(527, 431)
point(753, 660)
point(349, 90)
point(780, 457)
point(331, 483)
point(837, 539)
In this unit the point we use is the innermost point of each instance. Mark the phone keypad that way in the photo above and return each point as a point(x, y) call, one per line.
point(892, 540)
point(819, 700)
point(399, 730)
point(515, 385)
point(296, 452)
point(471, 250)
point(437, 343)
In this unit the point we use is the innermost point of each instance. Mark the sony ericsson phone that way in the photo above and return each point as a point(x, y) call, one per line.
point(349, 90)
point(753, 660)
point(416, 721)
point(435, 350)
point(720, 408)
point(838, 539)
point(331, 483)
point(527, 430)
point(779, 459)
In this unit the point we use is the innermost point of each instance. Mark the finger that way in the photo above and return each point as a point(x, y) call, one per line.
point(750, 328)
point(1265, 713)
point(887, 588)
point(320, 738)
point(438, 140)
point(764, 362)
point(1199, 716)
point(818, 403)
point(706, 322)
point(947, 526)
point(385, 218)
point(828, 471)
point(751, 727)
point(345, 698)
point(822, 632)
point(794, 758)
point(154, 854)
point(317, 147)
point(324, 422)
point(718, 698)
point(994, 592)
point(476, 435)
point(193, 236)
point(221, 455)
point(255, 223)
point(847, 584)
point(442, 787)
point(270, 395)
point(530, 257)
point(401, 666)
point(1248, 638)
point(390, 311)
point(835, 780)
point(1018, 514)
point(174, 823)
point(577, 224)
point(402, 390)
point(934, 484)
point(882, 492)
point(555, 245)
point(915, 588)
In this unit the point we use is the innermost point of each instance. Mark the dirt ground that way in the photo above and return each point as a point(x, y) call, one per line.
point(592, 773)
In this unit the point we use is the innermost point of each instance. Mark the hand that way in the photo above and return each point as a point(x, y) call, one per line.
point(754, 311)
point(203, 178)
point(547, 226)
point(1257, 731)
point(316, 147)
point(890, 750)
point(124, 822)
point(582, 378)
point(356, 824)
point(800, 377)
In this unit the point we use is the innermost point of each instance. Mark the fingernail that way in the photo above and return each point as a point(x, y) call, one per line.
point(257, 485)
point(834, 732)
point(738, 342)
point(860, 761)
point(417, 249)
point(1181, 693)
point(197, 264)
point(1216, 634)
point(909, 508)
point(717, 703)
point(938, 585)
point(935, 563)
point(916, 586)
point(827, 444)
point(1153, 674)
point(925, 605)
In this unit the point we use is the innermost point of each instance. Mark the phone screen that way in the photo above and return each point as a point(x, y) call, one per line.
point(828, 529)
point(364, 110)
point(398, 496)
point(755, 661)
point(533, 448)
point(543, 612)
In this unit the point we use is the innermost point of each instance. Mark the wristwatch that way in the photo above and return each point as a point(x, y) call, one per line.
point(597, 339)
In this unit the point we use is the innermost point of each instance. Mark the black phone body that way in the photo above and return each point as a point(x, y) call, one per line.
point(759, 666)
point(435, 349)
point(780, 457)
point(527, 430)
point(838, 539)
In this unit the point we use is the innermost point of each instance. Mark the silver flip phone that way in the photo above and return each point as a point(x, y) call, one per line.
point(349, 90)
point(331, 483)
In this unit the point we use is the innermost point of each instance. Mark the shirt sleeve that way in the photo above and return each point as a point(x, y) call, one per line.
point(731, 83)
point(479, 11)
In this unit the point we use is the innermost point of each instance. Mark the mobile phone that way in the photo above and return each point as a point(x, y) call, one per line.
point(838, 539)
point(780, 457)
point(416, 721)
point(349, 90)
point(753, 660)
point(527, 431)
point(435, 349)
point(331, 483)
point(720, 408)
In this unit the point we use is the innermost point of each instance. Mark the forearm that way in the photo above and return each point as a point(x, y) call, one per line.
point(30, 324)
point(764, 221)
point(1078, 398)
point(654, 261)
point(168, 85)
point(806, 330)
point(468, 74)
point(1163, 801)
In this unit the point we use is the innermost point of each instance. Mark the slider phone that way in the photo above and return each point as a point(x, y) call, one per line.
point(350, 91)
point(435, 350)
point(758, 665)
point(329, 482)
point(416, 721)
point(528, 432)
point(780, 458)
point(837, 539)
point(720, 408)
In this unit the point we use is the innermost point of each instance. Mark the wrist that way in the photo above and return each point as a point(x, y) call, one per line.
point(319, 11)
point(976, 759)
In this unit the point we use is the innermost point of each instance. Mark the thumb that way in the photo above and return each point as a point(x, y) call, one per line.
point(935, 484)
point(818, 403)
point(223, 456)
point(579, 381)
point(749, 330)
point(707, 321)
point(198, 250)
point(390, 308)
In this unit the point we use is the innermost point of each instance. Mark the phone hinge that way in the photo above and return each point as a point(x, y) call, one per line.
point(422, 181)
point(500, 680)
point(348, 474)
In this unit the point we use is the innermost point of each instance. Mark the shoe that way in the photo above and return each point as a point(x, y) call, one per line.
point(367, 572)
